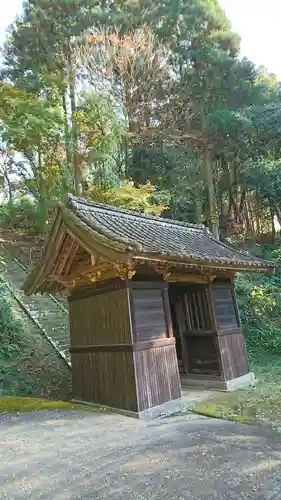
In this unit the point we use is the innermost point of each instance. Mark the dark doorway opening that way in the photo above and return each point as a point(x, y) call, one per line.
point(194, 330)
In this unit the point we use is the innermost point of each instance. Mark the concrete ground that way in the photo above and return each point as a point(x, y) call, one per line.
point(70, 455)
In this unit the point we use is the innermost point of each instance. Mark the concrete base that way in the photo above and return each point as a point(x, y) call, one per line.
point(217, 383)
point(241, 382)
point(168, 408)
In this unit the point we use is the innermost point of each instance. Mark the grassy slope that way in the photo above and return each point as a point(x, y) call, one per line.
point(32, 366)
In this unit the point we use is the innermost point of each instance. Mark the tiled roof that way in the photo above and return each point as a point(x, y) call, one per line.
point(156, 235)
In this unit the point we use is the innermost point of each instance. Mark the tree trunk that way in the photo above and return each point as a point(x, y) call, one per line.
point(247, 220)
point(231, 202)
point(10, 190)
point(208, 176)
point(239, 215)
point(258, 223)
point(272, 214)
point(251, 217)
point(278, 213)
point(67, 138)
point(198, 210)
point(74, 132)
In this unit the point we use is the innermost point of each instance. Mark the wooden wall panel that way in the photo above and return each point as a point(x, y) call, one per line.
point(157, 376)
point(106, 378)
point(233, 353)
point(224, 305)
point(150, 322)
point(100, 319)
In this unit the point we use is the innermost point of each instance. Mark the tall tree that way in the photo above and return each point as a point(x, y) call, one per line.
point(41, 42)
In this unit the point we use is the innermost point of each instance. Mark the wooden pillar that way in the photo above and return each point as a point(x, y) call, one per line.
point(123, 349)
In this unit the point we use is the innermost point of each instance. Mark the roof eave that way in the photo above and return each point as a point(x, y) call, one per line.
point(32, 283)
point(178, 261)
point(90, 240)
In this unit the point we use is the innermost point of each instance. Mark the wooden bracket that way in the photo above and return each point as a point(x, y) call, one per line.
point(68, 287)
point(162, 268)
point(95, 275)
point(125, 271)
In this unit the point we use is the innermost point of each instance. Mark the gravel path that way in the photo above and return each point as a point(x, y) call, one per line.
point(70, 455)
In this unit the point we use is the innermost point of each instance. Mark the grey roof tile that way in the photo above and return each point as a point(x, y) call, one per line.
point(150, 234)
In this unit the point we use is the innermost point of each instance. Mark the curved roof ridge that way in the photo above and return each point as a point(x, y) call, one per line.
point(72, 200)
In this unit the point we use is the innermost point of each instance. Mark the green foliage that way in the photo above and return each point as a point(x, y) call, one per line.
point(169, 101)
point(12, 380)
point(29, 121)
point(25, 214)
point(101, 135)
point(260, 306)
point(139, 199)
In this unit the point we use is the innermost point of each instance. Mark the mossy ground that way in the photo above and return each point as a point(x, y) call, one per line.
point(11, 404)
point(257, 405)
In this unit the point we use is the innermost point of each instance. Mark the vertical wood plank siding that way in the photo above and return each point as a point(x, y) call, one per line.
point(105, 378)
point(233, 353)
point(100, 319)
point(157, 376)
point(224, 307)
point(231, 344)
point(156, 369)
point(150, 320)
point(102, 352)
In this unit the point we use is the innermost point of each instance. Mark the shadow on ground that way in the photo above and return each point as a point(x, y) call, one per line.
point(70, 455)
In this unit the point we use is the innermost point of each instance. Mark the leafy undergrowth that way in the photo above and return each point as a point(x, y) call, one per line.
point(259, 298)
point(258, 405)
point(10, 404)
point(29, 365)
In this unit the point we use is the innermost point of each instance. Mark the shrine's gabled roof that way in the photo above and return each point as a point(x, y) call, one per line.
point(144, 233)
point(115, 236)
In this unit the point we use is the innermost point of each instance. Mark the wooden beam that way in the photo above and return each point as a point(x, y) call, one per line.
point(64, 254)
point(35, 279)
point(72, 255)
point(189, 278)
point(51, 253)
point(149, 258)
point(81, 270)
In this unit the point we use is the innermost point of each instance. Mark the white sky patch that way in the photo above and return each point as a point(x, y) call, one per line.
point(9, 9)
point(258, 23)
